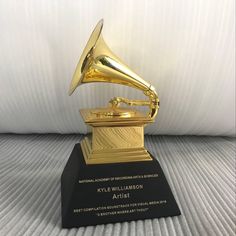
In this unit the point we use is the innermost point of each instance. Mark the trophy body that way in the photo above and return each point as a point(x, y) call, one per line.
point(113, 141)
point(110, 176)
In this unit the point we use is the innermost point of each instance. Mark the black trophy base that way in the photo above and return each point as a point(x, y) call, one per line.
point(109, 193)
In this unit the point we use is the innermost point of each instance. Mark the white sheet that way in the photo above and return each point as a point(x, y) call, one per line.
point(186, 49)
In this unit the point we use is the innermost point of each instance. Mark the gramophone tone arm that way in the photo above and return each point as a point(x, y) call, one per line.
point(115, 102)
point(153, 102)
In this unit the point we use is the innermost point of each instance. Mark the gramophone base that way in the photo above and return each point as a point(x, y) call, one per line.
point(113, 156)
point(109, 193)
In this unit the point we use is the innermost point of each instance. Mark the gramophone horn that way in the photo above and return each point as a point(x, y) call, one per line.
point(80, 69)
point(99, 64)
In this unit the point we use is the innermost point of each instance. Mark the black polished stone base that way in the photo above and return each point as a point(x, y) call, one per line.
point(108, 193)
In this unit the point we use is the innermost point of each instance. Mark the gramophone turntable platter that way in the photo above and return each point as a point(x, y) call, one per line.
point(114, 112)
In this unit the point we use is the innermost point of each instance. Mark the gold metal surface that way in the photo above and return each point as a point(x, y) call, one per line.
point(99, 64)
point(115, 138)
point(98, 117)
point(117, 132)
point(113, 156)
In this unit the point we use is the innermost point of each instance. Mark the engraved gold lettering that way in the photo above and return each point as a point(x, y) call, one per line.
point(120, 195)
point(104, 190)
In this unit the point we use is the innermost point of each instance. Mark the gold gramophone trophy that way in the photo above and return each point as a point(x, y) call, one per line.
point(109, 176)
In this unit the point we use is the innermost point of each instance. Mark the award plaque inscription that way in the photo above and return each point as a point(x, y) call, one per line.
point(110, 176)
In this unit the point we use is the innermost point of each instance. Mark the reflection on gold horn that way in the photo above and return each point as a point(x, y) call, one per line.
point(99, 64)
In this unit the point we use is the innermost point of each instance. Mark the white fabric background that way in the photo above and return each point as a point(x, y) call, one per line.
point(184, 48)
